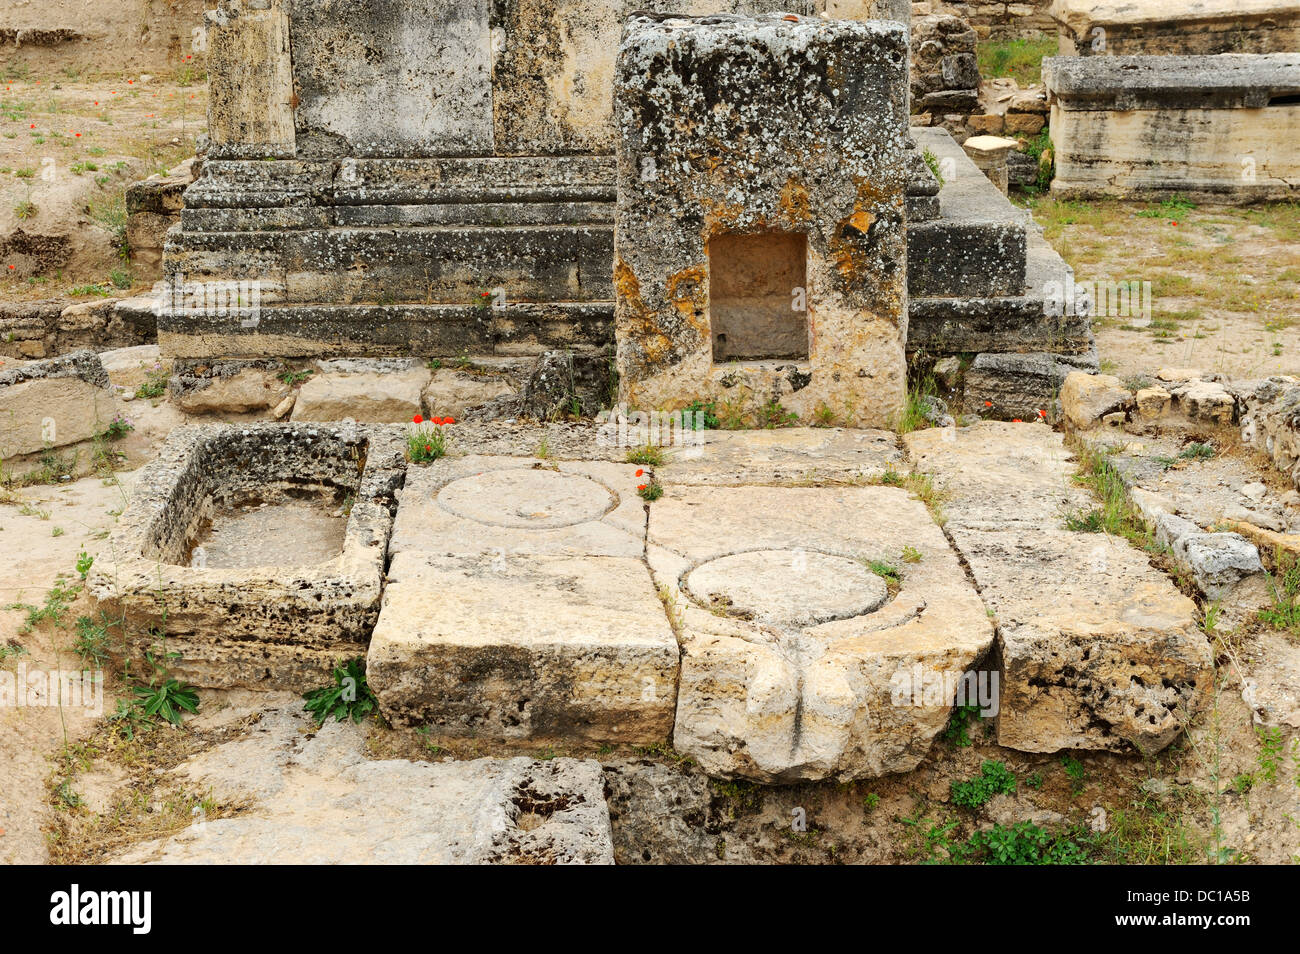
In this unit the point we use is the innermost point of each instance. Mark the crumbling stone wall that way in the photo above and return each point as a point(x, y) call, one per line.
point(995, 18)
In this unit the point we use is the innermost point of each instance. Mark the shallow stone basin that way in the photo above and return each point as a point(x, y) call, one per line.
point(250, 595)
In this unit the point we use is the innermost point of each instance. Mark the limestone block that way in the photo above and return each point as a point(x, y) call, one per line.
point(317, 799)
point(1169, 27)
point(249, 389)
point(53, 403)
point(511, 508)
point(280, 625)
point(573, 647)
point(450, 393)
point(1207, 401)
point(1153, 125)
point(251, 94)
point(1087, 398)
point(428, 93)
point(368, 397)
point(1152, 403)
point(1099, 650)
point(793, 650)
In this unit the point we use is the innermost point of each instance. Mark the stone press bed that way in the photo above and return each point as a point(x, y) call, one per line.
point(275, 625)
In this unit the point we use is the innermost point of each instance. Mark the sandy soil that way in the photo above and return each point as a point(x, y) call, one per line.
point(68, 151)
point(1225, 282)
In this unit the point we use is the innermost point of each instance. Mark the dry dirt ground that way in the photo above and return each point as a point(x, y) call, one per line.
point(68, 150)
point(1225, 282)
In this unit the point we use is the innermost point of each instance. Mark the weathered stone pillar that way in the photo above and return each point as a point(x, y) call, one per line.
point(250, 80)
point(760, 256)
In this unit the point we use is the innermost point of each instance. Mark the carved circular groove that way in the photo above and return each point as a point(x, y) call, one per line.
point(786, 587)
point(533, 499)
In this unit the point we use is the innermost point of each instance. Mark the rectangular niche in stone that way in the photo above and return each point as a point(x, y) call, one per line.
point(760, 251)
point(757, 291)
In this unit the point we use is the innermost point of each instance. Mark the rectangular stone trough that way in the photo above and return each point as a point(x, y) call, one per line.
point(255, 552)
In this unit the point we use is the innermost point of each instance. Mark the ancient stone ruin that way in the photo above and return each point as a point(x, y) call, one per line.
point(487, 229)
point(679, 389)
point(1156, 99)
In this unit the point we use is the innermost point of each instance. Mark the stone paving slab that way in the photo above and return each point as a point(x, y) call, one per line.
point(785, 455)
point(316, 799)
point(509, 506)
point(790, 660)
point(1098, 649)
point(535, 646)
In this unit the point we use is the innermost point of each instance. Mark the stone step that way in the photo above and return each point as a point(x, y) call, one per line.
point(976, 247)
point(438, 330)
point(434, 264)
point(1098, 649)
point(312, 795)
point(437, 214)
point(518, 606)
point(1007, 323)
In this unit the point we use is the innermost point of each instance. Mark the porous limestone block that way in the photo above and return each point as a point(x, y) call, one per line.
point(569, 647)
point(510, 508)
point(794, 651)
point(1215, 127)
point(1087, 398)
point(388, 397)
point(272, 626)
point(1172, 27)
point(790, 213)
point(1098, 649)
point(378, 78)
point(251, 95)
point(53, 403)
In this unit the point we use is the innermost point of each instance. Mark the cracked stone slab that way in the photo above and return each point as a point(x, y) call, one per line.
point(534, 646)
point(513, 506)
point(784, 455)
point(790, 652)
point(316, 799)
point(1098, 649)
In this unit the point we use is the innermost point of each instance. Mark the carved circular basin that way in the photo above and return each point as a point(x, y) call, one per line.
point(787, 587)
point(534, 499)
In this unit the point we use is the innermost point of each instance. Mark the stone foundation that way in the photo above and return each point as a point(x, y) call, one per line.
point(1217, 128)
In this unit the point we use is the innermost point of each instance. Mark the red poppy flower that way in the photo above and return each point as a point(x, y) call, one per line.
point(640, 472)
point(449, 420)
point(1016, 420)
point(1042, 413)
point(418, 419)
point(428, 448)
point(643, 487)
point(988, 403)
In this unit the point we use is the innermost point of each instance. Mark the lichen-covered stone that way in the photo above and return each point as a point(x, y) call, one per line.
point(758, 106)
point(53, 403)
